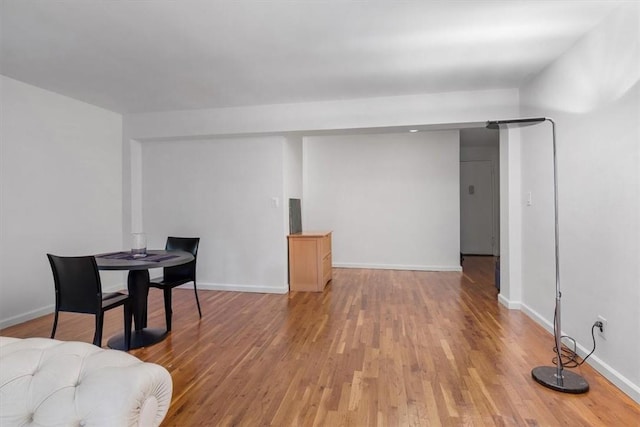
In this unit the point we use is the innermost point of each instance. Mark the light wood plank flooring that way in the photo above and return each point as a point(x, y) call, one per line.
point(376, 348)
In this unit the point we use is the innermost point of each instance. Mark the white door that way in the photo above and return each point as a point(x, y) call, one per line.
point(476, 208)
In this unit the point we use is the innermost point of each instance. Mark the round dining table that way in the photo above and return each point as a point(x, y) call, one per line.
point(138, 286)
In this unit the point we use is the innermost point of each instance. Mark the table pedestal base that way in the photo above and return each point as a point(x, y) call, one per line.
point(139, 339)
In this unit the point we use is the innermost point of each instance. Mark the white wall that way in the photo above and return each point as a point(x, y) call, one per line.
point(510, 220)
point(223, 191)
point(292, 173)
point(391, 200)
point(293, 167)
point(426, 109)
point(61, 179)
point(538, 248)
point(430, 109)
point(593, 94)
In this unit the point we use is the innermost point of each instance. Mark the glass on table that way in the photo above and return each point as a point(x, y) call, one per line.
point(139, 245)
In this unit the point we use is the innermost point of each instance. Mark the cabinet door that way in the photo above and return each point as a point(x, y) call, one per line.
point(303, 262)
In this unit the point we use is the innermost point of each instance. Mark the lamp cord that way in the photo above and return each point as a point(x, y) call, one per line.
point(569, 357)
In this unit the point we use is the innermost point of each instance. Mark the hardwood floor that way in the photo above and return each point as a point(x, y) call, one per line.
point(377, 347)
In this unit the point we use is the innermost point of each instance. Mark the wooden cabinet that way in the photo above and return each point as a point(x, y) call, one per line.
point(309, 261)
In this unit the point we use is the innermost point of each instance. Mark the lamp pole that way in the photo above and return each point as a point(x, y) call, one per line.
point(552, 377)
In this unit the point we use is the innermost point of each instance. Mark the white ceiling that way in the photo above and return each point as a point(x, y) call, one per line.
point(142, 56)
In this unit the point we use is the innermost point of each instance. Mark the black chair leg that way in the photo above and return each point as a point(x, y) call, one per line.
point(97, 337)
point(167, 307)
point(127, 325)
point(195, 290)
point(55, 324)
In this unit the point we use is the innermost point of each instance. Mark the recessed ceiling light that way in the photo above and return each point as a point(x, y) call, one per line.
point(413, 130)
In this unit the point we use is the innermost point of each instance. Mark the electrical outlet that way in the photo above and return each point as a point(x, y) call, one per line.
point(602, 331)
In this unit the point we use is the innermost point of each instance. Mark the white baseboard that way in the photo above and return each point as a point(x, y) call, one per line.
point(619, 380)
point(511, 305)
point(399, 267)
point(24, 317)
point(48, 309)
point(239, 288)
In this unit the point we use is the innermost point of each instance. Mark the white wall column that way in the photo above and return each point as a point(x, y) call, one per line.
point(510, 219)
point(135, 158)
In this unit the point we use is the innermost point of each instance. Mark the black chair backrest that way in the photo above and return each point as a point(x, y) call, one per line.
point(184, 271)
point(77, 283)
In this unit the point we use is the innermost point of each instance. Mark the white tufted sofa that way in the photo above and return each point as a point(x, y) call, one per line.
point(45, 382)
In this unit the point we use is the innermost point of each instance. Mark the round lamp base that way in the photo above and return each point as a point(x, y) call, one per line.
point(569, 383)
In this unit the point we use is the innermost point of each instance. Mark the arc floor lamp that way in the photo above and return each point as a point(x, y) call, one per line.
point(553, 377)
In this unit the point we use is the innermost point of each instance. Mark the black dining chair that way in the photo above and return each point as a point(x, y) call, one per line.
point(178, 275)
point(79, 290)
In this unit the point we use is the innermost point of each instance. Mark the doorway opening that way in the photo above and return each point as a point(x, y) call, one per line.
point(479, 193)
